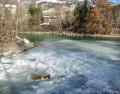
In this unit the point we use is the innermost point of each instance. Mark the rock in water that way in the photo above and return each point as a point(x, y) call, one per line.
point(19, 45)
point(37, 77)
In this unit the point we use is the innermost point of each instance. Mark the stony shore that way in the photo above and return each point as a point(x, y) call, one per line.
point(21, 45)
point(18, 46)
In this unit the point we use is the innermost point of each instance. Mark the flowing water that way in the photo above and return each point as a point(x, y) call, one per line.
point(76, 66)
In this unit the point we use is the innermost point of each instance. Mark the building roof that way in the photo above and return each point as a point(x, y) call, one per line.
point(8, 5)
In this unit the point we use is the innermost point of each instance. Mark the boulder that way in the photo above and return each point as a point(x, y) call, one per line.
point(19, 45)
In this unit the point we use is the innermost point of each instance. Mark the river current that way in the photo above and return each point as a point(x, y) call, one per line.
point(76, 66)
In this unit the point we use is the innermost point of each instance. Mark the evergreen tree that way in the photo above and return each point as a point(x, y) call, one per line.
point(80, 14)
point(33, 10)
point(36, 16)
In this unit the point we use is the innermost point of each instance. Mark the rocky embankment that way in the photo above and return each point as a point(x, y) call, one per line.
point(19, 45)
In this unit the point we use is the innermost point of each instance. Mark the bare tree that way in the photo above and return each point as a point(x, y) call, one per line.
point(100, 19)
point(6, 34)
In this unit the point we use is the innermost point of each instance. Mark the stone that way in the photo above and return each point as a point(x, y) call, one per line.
point(19, 45)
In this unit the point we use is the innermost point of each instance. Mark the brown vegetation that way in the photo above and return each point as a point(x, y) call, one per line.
point(9, 25)
point(100, 19)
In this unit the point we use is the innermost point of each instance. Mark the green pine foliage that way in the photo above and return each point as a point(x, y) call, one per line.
point(33, 10)
point(36, 17)
point(80, 14)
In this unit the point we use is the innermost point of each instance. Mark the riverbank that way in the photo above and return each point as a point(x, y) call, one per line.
point(73, 34)
point(19, 45)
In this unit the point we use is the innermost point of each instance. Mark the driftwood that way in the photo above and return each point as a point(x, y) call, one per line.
point(37, 77)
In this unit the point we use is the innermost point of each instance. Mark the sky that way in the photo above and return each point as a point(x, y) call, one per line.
point(115, 1)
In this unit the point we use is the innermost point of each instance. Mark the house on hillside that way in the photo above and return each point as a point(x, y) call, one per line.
point(48, 20)
point(12, 8)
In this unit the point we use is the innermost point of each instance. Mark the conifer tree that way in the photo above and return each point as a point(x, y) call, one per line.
point(35, 16)
point(80, 14)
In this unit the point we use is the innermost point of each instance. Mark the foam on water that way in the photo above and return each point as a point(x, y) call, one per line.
point(76, 67)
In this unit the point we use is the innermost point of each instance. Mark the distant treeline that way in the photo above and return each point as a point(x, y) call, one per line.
point(101, 18)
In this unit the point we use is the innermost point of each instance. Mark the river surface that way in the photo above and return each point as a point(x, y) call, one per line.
point(76, 66)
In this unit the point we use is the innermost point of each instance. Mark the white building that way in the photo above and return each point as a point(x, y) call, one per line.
point(12, 8)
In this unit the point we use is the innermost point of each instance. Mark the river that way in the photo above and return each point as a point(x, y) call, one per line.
point(76, 66)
